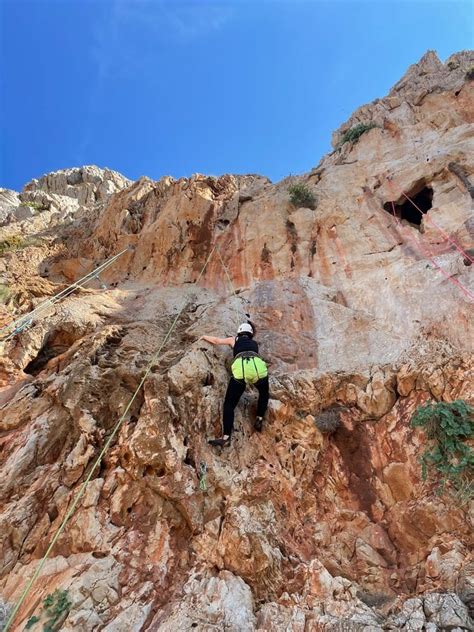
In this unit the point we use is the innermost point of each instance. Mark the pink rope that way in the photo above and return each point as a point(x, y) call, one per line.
point(429, 257)
point(441, 230)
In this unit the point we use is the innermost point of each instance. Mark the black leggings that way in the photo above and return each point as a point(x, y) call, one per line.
point(234, 393)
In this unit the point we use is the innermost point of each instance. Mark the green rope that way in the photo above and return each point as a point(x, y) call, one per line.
point(202, 477)
point(97, 462)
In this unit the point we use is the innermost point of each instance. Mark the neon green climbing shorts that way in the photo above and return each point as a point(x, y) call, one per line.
point(249, 369)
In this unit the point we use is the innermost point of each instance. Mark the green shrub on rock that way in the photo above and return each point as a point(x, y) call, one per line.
point(37, 206)
point(4, 294)
point(17, 242)
point(12, 242)
point(448, 427)
point(301, 196)
point(55, 609)
point(353, 134)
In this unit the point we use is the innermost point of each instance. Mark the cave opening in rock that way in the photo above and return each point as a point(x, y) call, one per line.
point(52, 347)
point(44, 355)
point(421, 195)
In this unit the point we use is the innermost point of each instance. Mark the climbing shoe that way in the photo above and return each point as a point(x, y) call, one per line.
point(258, 424)
point(220, 443)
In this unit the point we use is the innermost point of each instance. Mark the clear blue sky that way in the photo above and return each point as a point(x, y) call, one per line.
point(171, 87)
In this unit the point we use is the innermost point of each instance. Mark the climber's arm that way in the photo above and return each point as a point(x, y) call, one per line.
point(218, 341)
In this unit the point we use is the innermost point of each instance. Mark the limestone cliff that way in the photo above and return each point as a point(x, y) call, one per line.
point(291, 529)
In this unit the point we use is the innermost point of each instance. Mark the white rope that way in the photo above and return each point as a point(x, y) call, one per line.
point(24, 320)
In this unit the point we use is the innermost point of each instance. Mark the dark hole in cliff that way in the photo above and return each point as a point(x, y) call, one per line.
point(151, 471)
point(38, 390)
point(35, 365)
point(189, 459)
point(52, 513)
point(265, 254)
point(209, 379)
point(53, 346)
point(421, 195)
point(470, 255)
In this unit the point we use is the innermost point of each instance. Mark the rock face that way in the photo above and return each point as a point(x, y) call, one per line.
point(59, 195)
point(9, 201)
point(320, 522)
point(85, 184)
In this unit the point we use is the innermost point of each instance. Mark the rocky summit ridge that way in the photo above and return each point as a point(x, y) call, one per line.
point(292, 529)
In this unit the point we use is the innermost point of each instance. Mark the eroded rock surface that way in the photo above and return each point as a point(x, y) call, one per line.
point(288, 529)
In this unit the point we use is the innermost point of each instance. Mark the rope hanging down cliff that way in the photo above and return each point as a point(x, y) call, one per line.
point(433, 223)
point(234, 291)
point(418, 246)
point(26, 320)
point(98, 460)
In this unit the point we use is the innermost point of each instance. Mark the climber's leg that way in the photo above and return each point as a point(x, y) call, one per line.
point(263, 395)
point(232, 396)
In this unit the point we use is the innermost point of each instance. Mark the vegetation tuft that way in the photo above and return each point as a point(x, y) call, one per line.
point(4, 294)
point(12, 242)
point(38, 206)
point(374, 600)
point(31, 621)
point(353, 134)
point(55, 609)
point(469, 73)
point(448, 427)
point(300, 195)
point(17, 242)
point(329, 420)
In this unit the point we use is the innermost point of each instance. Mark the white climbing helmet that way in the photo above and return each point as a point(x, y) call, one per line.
point(245, 328)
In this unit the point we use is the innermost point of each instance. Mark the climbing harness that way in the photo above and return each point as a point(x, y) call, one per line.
point(98, 460)
point(418, 246)
point(15, 327)
point(202, 476)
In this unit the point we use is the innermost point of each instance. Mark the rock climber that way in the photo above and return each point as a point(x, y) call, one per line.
point(247, 368)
